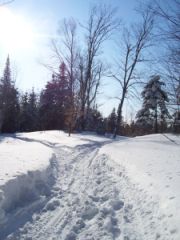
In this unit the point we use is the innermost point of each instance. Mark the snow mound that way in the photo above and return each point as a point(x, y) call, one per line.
point(152, 163)
point(27, 173)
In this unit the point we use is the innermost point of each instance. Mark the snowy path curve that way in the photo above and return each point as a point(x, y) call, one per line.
point(93, 199)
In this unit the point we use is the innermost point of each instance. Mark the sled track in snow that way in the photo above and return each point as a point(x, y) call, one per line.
point(93, 199)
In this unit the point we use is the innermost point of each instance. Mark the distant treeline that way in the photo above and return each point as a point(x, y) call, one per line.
point(53, 109)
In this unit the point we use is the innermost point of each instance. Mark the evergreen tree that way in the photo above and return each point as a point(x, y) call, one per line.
point(94, 120)
point(176, 116)
point(24, 116)
point(112, 121)
point(54, 101)
point(33, 111)
point(9, 104)
point(154, 108)
point(29, 112)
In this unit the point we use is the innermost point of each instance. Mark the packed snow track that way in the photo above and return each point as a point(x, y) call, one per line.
point(92, 198)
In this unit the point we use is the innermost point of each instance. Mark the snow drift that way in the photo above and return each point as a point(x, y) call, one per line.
point(27, 173)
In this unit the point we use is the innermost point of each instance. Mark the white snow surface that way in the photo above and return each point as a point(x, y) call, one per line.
point(18, 157)
point(87, 187)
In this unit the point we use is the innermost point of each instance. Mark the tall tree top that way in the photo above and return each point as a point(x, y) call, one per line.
point(62, 70)
point(7, 73)
point(153, 91)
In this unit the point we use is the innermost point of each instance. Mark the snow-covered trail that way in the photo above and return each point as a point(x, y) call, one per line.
point(92, 199)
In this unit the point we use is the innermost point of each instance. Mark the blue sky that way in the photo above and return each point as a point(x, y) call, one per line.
point(43, 17)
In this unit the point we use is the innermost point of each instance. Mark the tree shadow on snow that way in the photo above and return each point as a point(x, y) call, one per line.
point(44, 142)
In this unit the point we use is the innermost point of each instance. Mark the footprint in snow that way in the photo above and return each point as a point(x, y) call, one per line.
point(171, 198)
point(126, 219)
point(71, 236)
point(52, 205)
point(78, 226)
point(90, 212)
point(105, 211)
point(104, 198)
point(110, 225)
point(98, 181)
point(94, 198)
point(117, 204)
point(173, 231)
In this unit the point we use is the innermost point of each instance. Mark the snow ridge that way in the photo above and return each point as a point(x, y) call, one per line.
point(21, 196)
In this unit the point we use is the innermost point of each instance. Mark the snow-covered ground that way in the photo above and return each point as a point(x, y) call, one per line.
point(87, 187)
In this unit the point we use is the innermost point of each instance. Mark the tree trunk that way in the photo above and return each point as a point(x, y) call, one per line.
point(69, 129)
point(119, 115)
point(156, 121)
point(82, 118)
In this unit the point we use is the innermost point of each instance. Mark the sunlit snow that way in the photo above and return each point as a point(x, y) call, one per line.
point(87, 187)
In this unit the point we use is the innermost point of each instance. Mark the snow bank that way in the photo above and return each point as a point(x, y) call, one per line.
point(52, 138)
point(153, 162)
point(18, 157)
point(60, 138)
point(26, 172)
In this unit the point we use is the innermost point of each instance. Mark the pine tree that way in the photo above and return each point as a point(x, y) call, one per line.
point(176, 115)
point(112, 121)
point(94, 120)
point(98, 123)
point(24, 116)
point(54, 101)
point(28, 112)
point(154, 108)
point(9, 103)
point(33, 111)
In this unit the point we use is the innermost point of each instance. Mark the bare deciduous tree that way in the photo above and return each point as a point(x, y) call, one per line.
point(85, 68)
point(168, 17)
point(134, 43)
point(69, 55)
point(169, 13)
point(2, 3)
point(100, 26)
